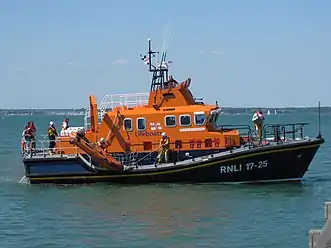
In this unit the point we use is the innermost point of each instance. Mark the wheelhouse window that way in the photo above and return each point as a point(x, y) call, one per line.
point(199, 118)
point(185, 120)
point(170, 121)
point(214, 116)
point(141, 124)
point(127, 124)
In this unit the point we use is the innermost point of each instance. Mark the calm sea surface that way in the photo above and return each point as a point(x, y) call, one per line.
point(278, 215)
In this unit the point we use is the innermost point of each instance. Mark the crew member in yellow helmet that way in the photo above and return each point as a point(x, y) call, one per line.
point(163, 155)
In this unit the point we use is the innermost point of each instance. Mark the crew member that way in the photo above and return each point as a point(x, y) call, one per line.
point(33, 135)
point(102, 144)
point(52, 134)
point(164, 149)
point(65, 124)
point(27, 133)
point(27, 136)
point(171, 81)
point(258, 120)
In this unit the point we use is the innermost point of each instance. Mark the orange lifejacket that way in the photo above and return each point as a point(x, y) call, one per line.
point(22, 144)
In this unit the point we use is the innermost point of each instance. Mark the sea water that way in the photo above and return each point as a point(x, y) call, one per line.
point(163, 215)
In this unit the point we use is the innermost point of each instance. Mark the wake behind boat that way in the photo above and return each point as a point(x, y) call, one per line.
point(122, 138)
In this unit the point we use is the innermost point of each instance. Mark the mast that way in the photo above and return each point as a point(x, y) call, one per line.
point(159, 71)
point(319, 136)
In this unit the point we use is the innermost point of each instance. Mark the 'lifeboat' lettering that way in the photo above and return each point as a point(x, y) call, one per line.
point(145, 133)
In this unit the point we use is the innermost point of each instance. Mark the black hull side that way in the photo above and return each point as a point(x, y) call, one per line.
point(270, 163)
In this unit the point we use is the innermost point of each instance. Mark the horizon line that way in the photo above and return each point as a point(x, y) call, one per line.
point(301, 107)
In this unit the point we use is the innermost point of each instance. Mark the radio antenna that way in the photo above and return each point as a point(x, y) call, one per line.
point(163, 52)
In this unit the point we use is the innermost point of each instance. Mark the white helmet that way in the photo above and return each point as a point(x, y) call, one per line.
point(164, 134)
point(102, 139)
point(51, 123)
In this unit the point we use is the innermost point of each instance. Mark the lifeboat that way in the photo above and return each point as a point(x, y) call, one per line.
point(167, 135)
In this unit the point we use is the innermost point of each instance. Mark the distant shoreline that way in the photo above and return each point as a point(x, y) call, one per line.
point(225, 110)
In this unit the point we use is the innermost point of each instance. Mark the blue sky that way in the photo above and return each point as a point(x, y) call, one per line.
point(241, 53)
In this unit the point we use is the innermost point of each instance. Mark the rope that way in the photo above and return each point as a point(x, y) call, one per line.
point(147, 155)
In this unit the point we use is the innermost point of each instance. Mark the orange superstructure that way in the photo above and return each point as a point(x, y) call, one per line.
point(135, 122)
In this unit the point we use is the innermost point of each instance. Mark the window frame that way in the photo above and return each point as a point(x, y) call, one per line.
point(124, 124)
point(200, 113)
point(137, 120)
point(211, 117)
point(165, 120)
point(180, 121)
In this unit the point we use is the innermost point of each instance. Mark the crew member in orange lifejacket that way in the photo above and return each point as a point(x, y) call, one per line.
point(102, 144)
point(65, 124)
point(164, 149)
point(33, 135)
point(258, 120)
point(27, 135)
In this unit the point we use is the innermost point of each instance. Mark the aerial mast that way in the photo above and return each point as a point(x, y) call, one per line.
point(160, 70)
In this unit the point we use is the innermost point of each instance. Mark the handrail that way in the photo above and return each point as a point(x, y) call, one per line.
point(116, 100)
point(41, 147)
point(232, 126)
point(248, 131)
point(89, 162)
point(87, 118)
point(127, 159)
point(120, 100)
point(148, 154)
point(280, 131)
point(247, 128)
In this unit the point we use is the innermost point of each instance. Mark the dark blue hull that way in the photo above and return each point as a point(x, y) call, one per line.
point(269, 163)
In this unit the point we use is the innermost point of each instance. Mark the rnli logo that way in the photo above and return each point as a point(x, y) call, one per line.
point(155, 126)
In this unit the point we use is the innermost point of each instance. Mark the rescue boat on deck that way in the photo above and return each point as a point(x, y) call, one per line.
point(201, 148)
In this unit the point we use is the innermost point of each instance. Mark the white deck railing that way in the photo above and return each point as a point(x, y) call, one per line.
point(121, 100)
point(109, 102)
